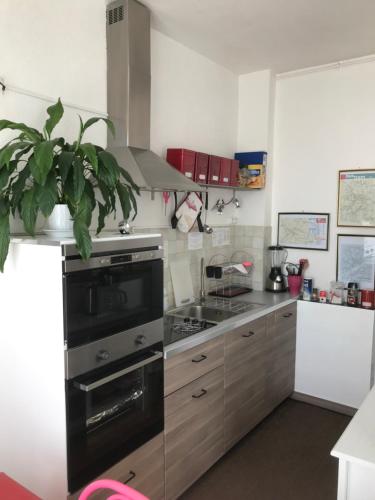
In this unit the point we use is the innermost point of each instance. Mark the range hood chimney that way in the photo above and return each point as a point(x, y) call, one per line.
point(128, 99)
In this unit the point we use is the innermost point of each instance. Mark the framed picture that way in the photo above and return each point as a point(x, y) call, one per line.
point(305, 230)
point(356, 195)
point(356, 259)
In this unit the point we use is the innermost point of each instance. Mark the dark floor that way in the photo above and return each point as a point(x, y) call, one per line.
point(287, 457)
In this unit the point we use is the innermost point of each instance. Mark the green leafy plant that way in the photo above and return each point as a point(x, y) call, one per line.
point(38, 171)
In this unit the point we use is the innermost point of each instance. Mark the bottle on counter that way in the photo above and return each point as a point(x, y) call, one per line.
point(315, 295)
point(323, 296)
point(337, 292)
point(353, 294)
point(368, 299)
point(307, 288)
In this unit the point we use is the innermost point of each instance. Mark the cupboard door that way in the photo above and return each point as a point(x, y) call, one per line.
point(244, 342)
point(183, 368)
point(281, 332)
point(194, 420)
point(143, 470)
point(245, 379)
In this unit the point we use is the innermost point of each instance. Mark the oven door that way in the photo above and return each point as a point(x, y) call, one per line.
point(104, 301)
point(111, 412)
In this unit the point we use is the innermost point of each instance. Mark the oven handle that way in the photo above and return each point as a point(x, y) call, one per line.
point(114, 376)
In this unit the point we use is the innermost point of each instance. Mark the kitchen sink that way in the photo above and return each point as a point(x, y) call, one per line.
point(203, 313)
point(214, 311)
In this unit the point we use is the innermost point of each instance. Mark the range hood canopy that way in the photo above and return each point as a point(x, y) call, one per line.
point(151, 172)
point(128, 99)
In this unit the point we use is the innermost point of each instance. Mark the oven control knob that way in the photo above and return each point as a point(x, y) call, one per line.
point(102, 355)
point(141, 340)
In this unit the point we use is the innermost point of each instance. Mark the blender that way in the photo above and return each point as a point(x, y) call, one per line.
point(275, 280)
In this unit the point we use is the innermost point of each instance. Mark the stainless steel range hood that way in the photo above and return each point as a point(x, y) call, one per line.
point(128, 99)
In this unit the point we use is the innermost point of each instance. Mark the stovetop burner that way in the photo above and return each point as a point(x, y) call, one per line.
point(179, 328)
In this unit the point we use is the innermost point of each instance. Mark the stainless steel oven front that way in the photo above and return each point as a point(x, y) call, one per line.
point(119, 288)
point(113, 324)
point(114, 403)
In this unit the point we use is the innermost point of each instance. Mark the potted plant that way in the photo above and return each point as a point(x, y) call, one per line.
point(38, 173)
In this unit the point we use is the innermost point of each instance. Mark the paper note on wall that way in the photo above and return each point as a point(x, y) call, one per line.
point(221, 236)
point(195, 241)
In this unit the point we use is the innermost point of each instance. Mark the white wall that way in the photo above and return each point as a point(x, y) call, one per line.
point(325, 121)
point(193, 105)
point(55, 49)
point(58, 48)
point(254, 133)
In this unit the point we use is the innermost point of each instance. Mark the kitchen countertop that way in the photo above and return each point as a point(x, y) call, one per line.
point(42, 239)
point(357, 443)
point(270, 302)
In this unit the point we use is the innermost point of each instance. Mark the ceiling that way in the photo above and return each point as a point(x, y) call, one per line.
point(284, 35)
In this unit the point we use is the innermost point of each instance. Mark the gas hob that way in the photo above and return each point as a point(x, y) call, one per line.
point(176, 329)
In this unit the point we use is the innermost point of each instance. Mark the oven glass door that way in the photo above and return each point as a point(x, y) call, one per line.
point(104, 301)
point(111, 412)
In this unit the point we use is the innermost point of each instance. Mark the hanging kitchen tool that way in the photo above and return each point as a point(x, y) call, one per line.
point(174, 219)
point(166, 196)
point(207, 229)
point(199, 217)
point(188, 211)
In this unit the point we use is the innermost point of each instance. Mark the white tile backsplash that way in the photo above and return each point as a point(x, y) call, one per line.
point(247, 242)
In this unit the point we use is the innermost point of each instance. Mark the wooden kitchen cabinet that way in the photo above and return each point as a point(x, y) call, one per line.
point(143, 470)
point(245, 379)
point(193, 363)
point(220, 390)
point(194, 430)
point(281, 333)
point(259, 370)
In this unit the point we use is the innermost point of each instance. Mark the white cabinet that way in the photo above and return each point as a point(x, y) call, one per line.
point(334, 352)
point(356, 453)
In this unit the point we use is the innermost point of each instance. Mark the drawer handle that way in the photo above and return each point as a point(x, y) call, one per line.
point(202, 393)
point(202, 357)
point(248, 334)
point(131, 476)
point(287, 315)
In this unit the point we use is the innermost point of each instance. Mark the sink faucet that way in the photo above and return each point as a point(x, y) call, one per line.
point(202, 293)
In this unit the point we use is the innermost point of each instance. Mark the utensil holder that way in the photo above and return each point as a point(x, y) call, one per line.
point(294, 284)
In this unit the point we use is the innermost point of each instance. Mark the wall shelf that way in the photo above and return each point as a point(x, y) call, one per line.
point(233, 188)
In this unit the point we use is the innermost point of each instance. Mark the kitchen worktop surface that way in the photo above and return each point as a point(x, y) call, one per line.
point(357, 443)
point(269, 302)
point(41, 239)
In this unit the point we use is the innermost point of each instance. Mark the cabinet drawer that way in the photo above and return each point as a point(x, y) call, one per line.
point(192, 364)
point(282, 320)
point(194, 432)
point(143, 470)
point(246, 341)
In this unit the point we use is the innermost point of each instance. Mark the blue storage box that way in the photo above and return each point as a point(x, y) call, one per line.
point(252, 158)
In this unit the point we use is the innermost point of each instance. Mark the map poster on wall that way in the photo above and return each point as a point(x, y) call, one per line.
point(303, 230)
point(356, 259)
point(356, 207)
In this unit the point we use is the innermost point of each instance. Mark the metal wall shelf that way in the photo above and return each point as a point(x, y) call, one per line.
point(221, 186)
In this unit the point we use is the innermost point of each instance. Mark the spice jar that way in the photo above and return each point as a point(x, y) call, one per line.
point(368, 299)
point(337, 292)
point(353, 294)
point(323, 296)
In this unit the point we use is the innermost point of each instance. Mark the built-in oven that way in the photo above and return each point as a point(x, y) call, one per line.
point(113, 319)
point(111, 411)
point(119, 288)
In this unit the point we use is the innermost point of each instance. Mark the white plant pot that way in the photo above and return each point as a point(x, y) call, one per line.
point(59, 223)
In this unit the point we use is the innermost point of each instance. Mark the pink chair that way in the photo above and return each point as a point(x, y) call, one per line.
point(123, 492)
